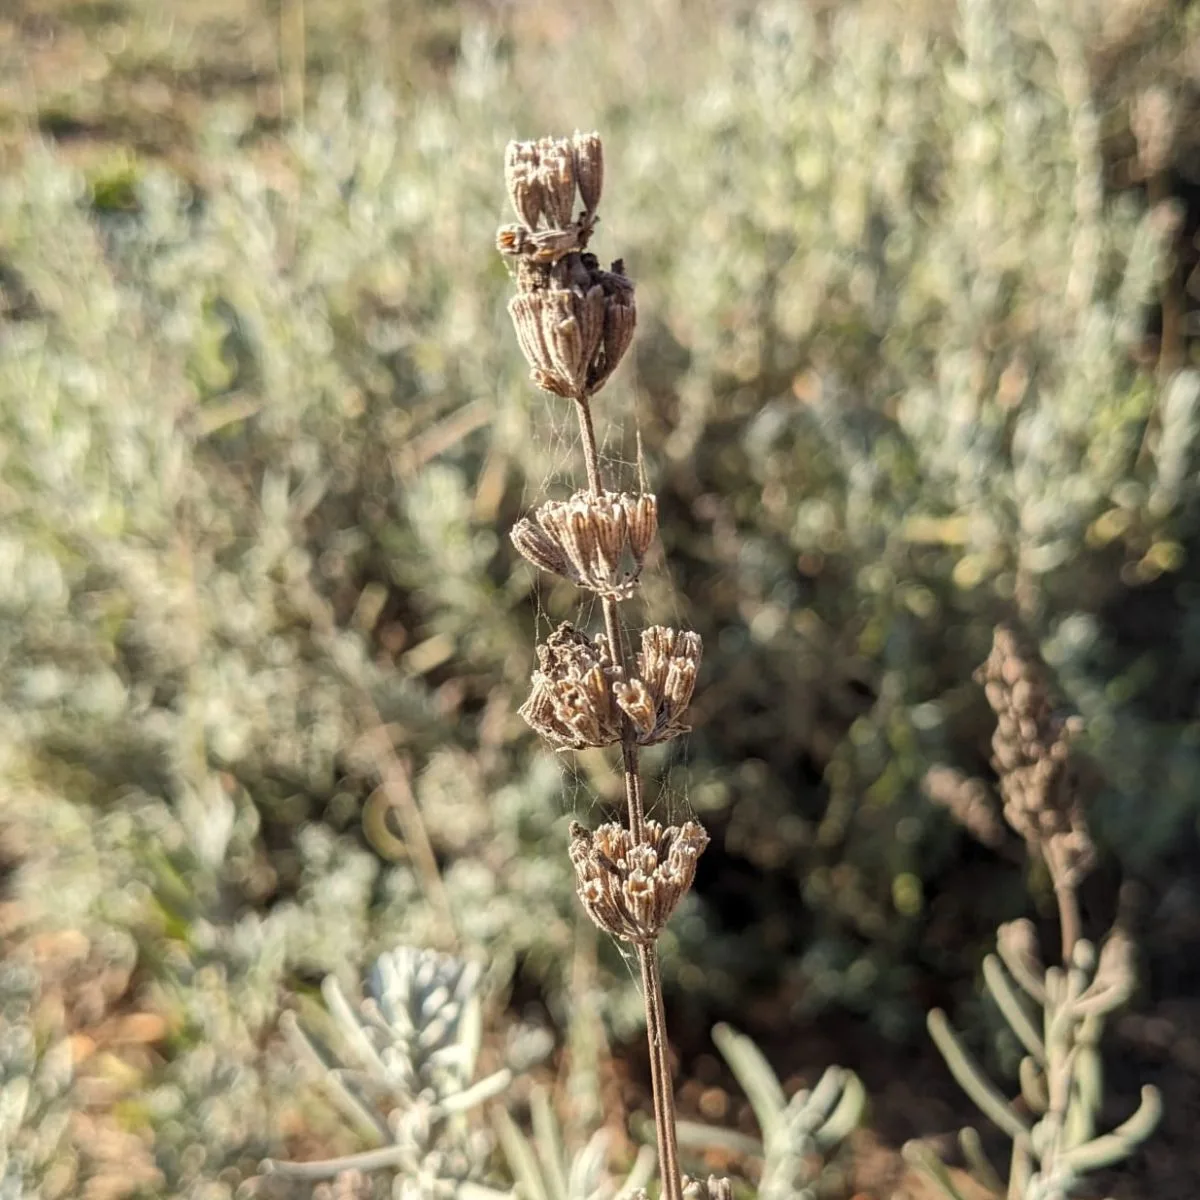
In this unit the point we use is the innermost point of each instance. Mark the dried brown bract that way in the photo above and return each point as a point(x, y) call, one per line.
point(598, 542)
point(631, 888)
point(571, 703)
point(656, 699)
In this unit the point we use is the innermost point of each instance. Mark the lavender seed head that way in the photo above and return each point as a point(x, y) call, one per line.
point(598, 542)
point(630, 889)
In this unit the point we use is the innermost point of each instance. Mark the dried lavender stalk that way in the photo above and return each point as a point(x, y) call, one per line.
point(574, 321)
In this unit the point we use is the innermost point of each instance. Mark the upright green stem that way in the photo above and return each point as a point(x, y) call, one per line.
point(656, 1021)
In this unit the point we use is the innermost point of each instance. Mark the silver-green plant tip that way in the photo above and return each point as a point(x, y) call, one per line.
point(408, 1074)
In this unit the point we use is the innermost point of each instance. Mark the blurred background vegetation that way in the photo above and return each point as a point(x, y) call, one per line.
point(918, 353)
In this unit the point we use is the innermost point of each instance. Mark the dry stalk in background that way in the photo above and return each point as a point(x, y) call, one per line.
point(1057, 1013)
point(574, 321)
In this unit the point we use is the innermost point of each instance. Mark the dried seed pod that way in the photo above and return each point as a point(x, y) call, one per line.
point(598, 542)
point(589, 169)
point(525, 308)
point(571, 703)
point(556, 172)
point(630, 889)
point(559, 330)
point(524, 183)
point(656, 699)
point(575, 329)
point(620, 319)
point(539, 548)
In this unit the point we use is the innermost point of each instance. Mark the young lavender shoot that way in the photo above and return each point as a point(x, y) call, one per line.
point(574, 322)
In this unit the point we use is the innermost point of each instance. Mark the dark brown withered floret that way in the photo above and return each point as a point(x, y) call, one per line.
point(571, 703)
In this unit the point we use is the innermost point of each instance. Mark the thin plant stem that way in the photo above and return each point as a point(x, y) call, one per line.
point(587, 429)
point(612, 627)
point(1068, 901)
point(656, 1023)
point(660, 1073)
point(633, 786)
point(1068, 919)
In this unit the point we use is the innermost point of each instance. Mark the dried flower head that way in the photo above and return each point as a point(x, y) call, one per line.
point(542, 178)
point(559, 330)
point(1031, 752)
point(578, 694)
point(598, 542)
point(630, 889)
point(571, 703)
point(574, 321)
point(656, 699)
